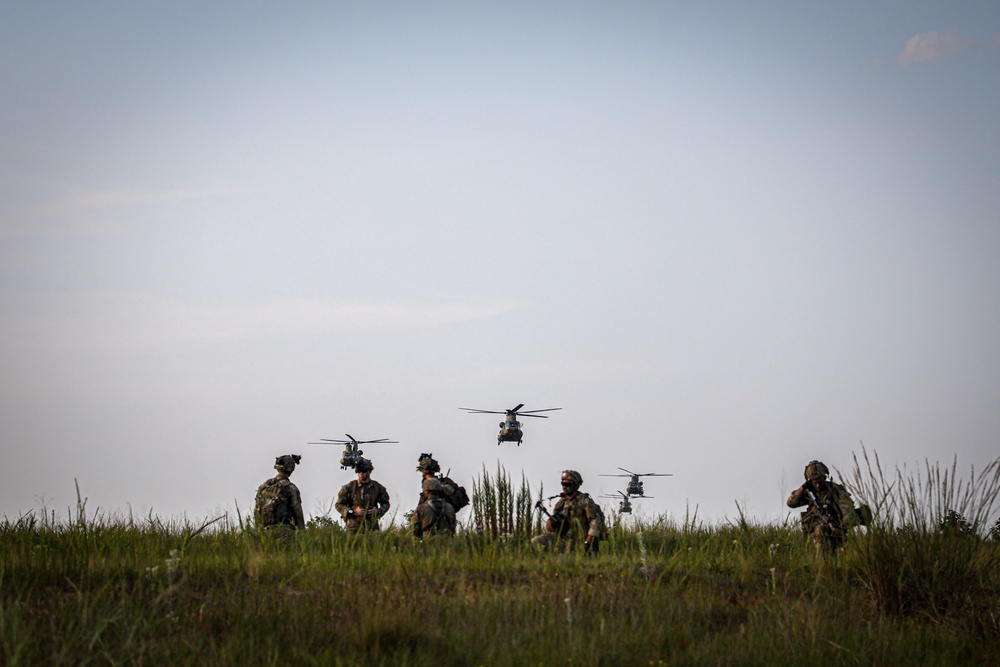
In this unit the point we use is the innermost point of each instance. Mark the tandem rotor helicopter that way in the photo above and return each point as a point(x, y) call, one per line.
point(634, 487)
point(624, 505)
point(510, 428)
point(352, 453)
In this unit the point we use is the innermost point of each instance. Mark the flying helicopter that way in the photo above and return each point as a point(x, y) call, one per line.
point(634, 487)
point(624, 506)
point(352, 453)
point(510, 428)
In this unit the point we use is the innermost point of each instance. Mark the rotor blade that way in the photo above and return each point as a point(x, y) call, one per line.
point(614, 475)
point(515, 409)
point(329, 442)
point(525, 414)
point(351, 437)
point(528, 412)
point(628, 471)
point(489, 412)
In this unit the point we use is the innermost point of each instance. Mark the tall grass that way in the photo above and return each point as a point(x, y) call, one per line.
point(112, 590)
point(925, 551)
point(500, 510)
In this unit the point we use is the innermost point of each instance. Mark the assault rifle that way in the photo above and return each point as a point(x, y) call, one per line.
point(559, 523)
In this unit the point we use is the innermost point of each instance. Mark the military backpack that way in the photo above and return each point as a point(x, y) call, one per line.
point(455, 494)
point(271, 506)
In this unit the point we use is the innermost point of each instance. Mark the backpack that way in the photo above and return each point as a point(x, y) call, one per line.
point(455, 494)
point(270, 506)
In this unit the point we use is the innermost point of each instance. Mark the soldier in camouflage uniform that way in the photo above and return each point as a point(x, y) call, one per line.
point(830, 512)
point(278, 502)
point(575, 520)
point(434, 515)
point(451, 492)
point(363, 501)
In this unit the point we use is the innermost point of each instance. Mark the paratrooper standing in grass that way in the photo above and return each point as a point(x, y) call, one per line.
point(451, 492)
point(278, 502)
point(830, 512)
point(576, 518)
point(434, 515)
point(362, 501)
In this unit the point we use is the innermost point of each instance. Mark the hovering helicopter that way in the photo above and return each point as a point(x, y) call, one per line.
point(352, 453)
point(634, 487)
point(624, 506)
point(510, 428)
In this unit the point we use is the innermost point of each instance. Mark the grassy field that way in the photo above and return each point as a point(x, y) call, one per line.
point(101, 590)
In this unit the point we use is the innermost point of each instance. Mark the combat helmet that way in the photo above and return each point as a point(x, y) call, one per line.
point(816, 470)
point(427, 464)
point(572, 476)
point(432, 485)
point(364, 465)
point(286, 463)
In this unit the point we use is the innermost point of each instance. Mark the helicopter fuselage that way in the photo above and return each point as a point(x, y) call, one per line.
point(510, 431)
point(634, 487)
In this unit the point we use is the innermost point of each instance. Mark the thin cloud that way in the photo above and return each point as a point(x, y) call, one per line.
point(127, 320)
point(81, 210)
point(931, 46)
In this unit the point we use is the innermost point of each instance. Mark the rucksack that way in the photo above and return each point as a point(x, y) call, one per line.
point(455, 494)
point(270, 506)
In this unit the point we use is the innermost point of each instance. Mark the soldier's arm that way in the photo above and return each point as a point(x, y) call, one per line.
point(382, 501)
point(343, 505)
point(595, 518)
point(296, 507)
point(799, 498)
point(416, 522)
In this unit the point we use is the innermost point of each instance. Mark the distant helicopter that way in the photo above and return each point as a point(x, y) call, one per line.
point(624, 506)
point(510, 428)
point(634, 487)
point(352, 454)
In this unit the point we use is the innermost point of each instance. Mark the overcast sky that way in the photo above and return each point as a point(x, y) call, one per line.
point(725, 238)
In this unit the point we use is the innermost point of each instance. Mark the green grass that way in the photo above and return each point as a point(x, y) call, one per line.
point(99, 590)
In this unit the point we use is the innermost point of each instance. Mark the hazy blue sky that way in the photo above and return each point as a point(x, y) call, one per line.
point(726, 238)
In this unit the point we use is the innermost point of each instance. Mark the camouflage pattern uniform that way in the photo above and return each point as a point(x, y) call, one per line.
point(434, 515)
point(278, 498)
point(576, 518)
point(366, 495)
point(450, 490)
point(830, 512)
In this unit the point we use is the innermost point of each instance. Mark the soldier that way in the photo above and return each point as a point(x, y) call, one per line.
point(434, 515)
point(575, 519)
point(451, 492)
point(830, 513)
point(278, 502)
point(362, 502)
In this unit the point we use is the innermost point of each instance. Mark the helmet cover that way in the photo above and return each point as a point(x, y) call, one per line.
point(572, 476)
point(427, 464)
point(816, 470)
point(286, 463)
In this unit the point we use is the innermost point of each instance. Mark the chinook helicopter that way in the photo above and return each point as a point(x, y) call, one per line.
point(634, 487)
point(352, 453)
point(624, 505)
point(510, 428)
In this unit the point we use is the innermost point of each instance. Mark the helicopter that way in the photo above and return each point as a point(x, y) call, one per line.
point(510, 428)
point(634, 487)
point(352, 453)
point(624, 506)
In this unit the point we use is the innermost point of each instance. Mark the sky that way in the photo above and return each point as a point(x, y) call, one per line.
point(725, 238)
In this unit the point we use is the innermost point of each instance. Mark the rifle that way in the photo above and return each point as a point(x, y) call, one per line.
point(559, 523)
point(828, 514)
